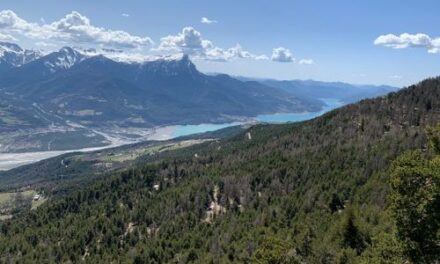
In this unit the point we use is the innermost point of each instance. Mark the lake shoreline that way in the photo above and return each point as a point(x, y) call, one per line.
point(13, 160)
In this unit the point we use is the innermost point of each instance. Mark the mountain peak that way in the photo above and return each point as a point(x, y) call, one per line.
point(11, 47)
point(65, 58)
point(13, 55)
point(171, 66)
point(185, 58)
point(67, 50)
point(186, 63)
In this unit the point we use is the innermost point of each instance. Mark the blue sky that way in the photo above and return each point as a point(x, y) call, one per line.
point(314, 39)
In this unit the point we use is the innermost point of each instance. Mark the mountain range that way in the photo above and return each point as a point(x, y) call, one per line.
point(96, 90)
point(12, 55)
point(71, 91)
point(345, 92)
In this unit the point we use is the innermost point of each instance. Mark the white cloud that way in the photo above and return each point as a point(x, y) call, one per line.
point(74, 28)
point(10, 21)
point(191, 42)
point(282, 55)
point(125, 15)
point(206, 20)
point(44, 44)
point(77, 28)
point(126, 56)
point(188, 41)
point(306, 61)
point(406, 40)
point(397, 77)
point(7, 37)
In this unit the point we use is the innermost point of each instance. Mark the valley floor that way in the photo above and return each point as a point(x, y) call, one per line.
point(119, 137)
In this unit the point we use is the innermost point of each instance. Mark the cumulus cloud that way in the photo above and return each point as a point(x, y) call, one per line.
point(72, 28)
point(306, 61)
point(190, 41)
point(282, 55)
point(406, 40)
point(205, 20)
point(77, 29)
point(10, 21)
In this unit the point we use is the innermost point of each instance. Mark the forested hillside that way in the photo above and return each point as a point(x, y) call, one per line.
point(72, 170)
point(310, 192)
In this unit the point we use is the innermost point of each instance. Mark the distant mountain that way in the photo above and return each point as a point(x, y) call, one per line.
point(53, 62)
point(69, 86)
point(41, 68)
point(347, 93)
point(12, 55)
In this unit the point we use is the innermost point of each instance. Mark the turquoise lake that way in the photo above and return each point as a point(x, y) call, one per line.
point(330, 104)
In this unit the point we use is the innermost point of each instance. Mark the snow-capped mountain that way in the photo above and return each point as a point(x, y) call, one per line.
point(96, 90)
point(62, 59)
point(12, 55)
point(39, 68)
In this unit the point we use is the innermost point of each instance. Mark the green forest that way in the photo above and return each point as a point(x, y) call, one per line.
point(360, 184)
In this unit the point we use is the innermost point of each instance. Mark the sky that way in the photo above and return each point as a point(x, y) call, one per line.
point(363, 42)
